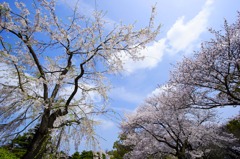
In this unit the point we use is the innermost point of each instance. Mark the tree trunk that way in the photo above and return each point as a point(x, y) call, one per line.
point(181, 153)
point(40, 140)
point(38, 146)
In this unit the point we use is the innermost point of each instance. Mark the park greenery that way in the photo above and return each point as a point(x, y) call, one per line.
point(53, 68)
point(17, 147)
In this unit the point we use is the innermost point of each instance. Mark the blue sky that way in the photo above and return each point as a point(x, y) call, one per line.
point(185, 25)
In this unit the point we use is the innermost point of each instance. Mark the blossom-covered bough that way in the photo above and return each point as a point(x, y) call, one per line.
point(178, 120)
point(53, 69)
point(163, 126)
point(214, 71)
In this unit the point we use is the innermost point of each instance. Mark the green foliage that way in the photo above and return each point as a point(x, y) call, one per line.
point(233, 127)
point(6, 154)
point(20, 144)
point(218, 152)
point(169, 157)
point(58, 155)
point(119, 149)
point(103, 156)
point(76, 155)
point(86, 155)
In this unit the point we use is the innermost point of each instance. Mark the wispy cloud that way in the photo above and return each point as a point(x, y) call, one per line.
point(106, 124)
point(125, 95)
point(182, 34)
point(122, 109)
point(153, 55)
point(181, 37)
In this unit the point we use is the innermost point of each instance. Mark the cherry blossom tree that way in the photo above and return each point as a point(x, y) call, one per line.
point(163, 126)
point(53, 69)
point(213, 71)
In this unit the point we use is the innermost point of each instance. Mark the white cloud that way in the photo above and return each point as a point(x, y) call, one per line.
point(122, 109)
point(182, 35)
point(159, 90)
point(106, 124)
point(153, 55)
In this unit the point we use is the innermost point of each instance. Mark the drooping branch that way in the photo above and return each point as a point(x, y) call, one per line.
point(19, 132)
point(16, 67)
point(90, 51)
point(36, 60)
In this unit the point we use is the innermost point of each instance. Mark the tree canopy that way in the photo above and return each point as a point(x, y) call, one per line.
point(119, 149)
point(178, 119)
point(162, 126)
point(53, 70)
point(213, 72)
